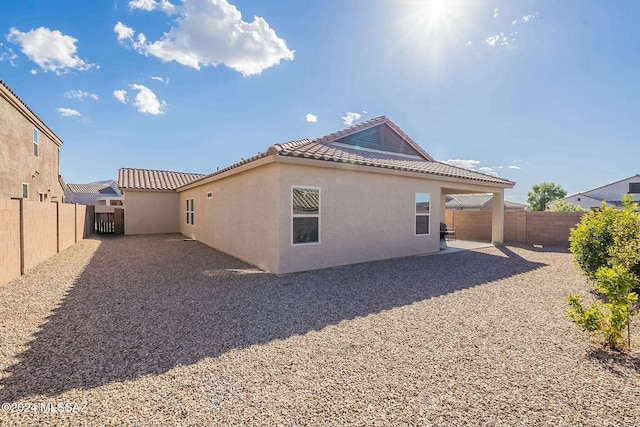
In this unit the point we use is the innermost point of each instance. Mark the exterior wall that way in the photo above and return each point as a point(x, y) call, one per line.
point(40, 233)
point(615, 190)
point(9, 240)
point(583, 201)
point(31, 232)
point(242, 218)
point(152, 212)
point(363, 217)
point(66, 225)
point(17, 162)
point(532, 228)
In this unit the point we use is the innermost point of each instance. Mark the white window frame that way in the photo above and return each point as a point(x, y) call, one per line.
point(25, 186)
point(190, 212)
point(416, 214)
point(306, 187)
point(36, 145)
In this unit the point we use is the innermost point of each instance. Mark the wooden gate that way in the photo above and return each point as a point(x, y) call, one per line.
point(110, 222)
point(105, 223)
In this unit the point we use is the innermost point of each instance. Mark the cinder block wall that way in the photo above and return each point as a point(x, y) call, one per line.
point(532, 228)
point(66, 226)
point(47, 228)
point(9, 240)
point(39, 232)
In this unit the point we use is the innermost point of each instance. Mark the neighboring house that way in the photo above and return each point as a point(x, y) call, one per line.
point(478, 202)
point(365, 193)
point(609, 193)
point(29, 153)
point(151, 200)
point(104, 196)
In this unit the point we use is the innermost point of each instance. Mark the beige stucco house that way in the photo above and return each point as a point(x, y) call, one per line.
point(368, 192)
point(29, 153)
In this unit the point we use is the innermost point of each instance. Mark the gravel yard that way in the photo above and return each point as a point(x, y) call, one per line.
point(158, 331)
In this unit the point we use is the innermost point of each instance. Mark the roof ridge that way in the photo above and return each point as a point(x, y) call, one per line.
point(162, 170)
point(24, 104)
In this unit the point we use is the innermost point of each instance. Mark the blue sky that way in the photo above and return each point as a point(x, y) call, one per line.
point(533, 91)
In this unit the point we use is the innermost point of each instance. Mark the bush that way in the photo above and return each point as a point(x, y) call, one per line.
point(607, 237)
point(610, 318)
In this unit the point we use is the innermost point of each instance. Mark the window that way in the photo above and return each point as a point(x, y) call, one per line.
point(305, 212)
point(190, 211)
point(25, 190)
point(209, 195)
point(35, 142)
point(634, 187)
point(42, 197)
point(422, 213)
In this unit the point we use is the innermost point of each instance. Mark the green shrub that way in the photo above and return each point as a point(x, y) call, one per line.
point(610, 318)
point(607, 237)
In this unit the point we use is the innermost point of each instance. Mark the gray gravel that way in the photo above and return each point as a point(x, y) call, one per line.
point(158, 331)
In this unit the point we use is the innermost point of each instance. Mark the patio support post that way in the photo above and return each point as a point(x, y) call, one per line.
point(497, 218)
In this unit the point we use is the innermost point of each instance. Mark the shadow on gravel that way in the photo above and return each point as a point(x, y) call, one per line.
point(146, 304)
point(612, 361)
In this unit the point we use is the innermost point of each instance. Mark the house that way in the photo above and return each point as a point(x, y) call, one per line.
point(29, 153)
point(609, 193)
point(151, 199)
point(365, 193)
point(104, 196)
point(478, 202)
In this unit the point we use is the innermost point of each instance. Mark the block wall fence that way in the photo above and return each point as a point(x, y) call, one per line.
point(530, 228)
point(32, 232)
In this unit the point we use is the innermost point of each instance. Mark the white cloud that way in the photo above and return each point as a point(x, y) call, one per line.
point(161, 79)
point(123, 32)
point(461, 163)
point(312, 118)
point(147, 102)
point(121, 95)
point(79, 94)
point(7, 54)
point(525, 19)
point(68, 112)
point(149, 5)
point(350, 118)
point(495, 12)
point(209, 33)
point(469, 43)
point(51, 50)
point(513, 167)
point(500, 39)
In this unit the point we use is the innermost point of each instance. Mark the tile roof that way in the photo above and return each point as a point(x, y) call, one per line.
point(324, 149)
point(146, 179)
point(103, 189)
point(332, 148)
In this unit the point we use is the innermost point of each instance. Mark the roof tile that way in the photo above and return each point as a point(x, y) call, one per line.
point(147, 179)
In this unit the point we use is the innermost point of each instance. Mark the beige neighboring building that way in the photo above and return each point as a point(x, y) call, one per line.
point(29, 153)
point(151, 199)
point(365, 193)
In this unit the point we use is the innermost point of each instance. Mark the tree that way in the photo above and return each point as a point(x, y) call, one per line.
point(542, 194)
point(562, 206)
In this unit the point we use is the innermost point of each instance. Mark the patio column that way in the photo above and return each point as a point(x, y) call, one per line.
point(497, 218)
point(443, 207)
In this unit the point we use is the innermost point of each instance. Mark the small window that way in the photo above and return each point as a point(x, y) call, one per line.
point(35, 142)
point(422, 213)
point(634, 187)
point(25, 190)
point(305, 215)
point(209, 195)
point(190, 212)
point(42, 197)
